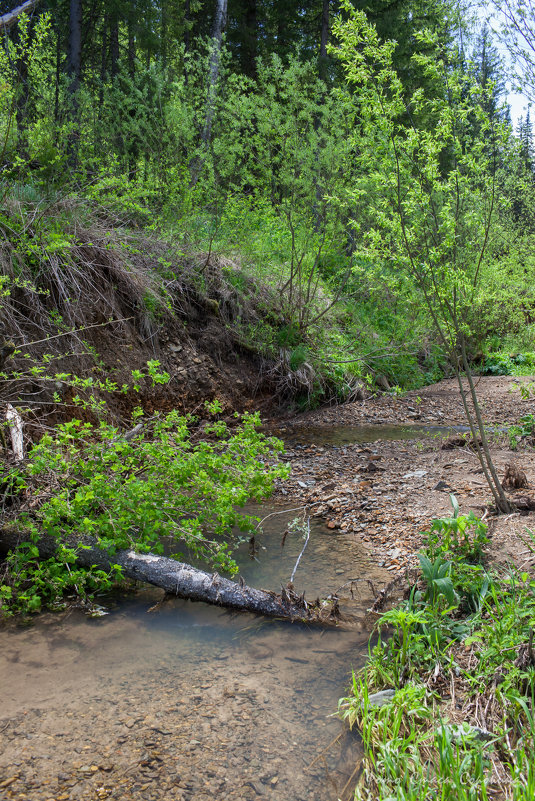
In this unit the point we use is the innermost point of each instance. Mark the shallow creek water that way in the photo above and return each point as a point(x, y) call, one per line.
point(347, 434)
point(187, 702)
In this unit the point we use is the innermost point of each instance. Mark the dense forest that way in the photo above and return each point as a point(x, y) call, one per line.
point(211, 207)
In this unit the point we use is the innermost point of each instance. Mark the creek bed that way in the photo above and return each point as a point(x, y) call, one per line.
point(188, 702)
point(348, 435)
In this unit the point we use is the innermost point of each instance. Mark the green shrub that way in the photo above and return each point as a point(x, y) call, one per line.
point(97, 485)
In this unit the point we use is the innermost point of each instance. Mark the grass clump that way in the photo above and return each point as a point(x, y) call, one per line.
point(460, 658)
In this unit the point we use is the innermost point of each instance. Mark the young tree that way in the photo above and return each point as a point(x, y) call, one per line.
point(525, 135)
point(431, 201)
point(488, 72)
point(516, 28)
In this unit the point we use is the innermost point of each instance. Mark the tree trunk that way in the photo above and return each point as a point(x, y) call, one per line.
point(502, 503)
point(324, 39)
point(74, 58)
point(187, 582)
point(164, 34)
point(103, 65)
point(213, 76)
point(114, 45)
point(250, 40)
point(74, 68)
point(215, 59)
point(131, 51)
point(132, 148)
point(187, 28)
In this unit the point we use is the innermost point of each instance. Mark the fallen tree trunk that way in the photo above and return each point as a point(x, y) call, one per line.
point(9, 19)
point(188, 582)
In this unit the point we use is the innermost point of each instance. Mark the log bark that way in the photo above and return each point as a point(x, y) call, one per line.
point(9, 19)
point(14, 421)
point(185, 581)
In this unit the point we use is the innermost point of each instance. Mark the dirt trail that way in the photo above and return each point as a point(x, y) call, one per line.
point(385, 493)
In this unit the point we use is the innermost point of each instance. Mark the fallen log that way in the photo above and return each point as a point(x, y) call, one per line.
point(10, 18)
point(185, 581)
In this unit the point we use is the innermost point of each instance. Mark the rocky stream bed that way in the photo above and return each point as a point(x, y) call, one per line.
point(379, 470)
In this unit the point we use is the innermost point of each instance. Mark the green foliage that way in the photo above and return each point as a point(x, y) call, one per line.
point(509, 363)
point(414, 749)
point(115, 492)
point(298, 357)
point(525, 428)
point(438, 580)
point(416, 179)
point(461, 537)
point(497, 364)
point(459, 541)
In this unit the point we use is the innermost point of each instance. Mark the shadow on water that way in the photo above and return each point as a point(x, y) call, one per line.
point(189, 701)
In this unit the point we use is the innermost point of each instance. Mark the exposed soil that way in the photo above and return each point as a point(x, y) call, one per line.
point(385, 493)
point(105, 314)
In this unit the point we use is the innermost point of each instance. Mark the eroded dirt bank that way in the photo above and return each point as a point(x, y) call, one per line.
point(384, 493)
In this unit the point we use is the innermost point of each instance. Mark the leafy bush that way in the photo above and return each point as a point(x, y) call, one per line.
point(524, 428)
point(460, 537)
point(460, 540)
point(95, 484)
point(508, 363)
point(497, 364)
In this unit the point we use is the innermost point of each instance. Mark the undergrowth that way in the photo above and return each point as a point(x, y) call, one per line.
point(69, 264)
point(91, 484)
point(459, 656)
point(509, 363)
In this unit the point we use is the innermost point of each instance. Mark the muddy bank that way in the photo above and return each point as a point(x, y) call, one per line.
point(436, 404)
point(385, 492)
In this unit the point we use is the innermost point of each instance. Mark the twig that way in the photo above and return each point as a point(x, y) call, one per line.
point(351, 581)
point(347, 784)
point(324, 750)
point(302, 551)
point(281, 512)
point(74, 331)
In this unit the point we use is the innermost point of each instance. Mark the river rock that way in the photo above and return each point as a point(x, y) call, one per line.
point(381, 698)
point(415, 474)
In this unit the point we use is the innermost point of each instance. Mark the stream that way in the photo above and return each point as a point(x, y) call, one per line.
point(348, 435)
point(187, 702)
